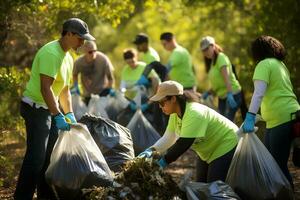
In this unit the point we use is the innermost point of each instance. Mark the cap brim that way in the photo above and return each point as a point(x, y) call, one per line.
point(157, 97)
point(87, 36)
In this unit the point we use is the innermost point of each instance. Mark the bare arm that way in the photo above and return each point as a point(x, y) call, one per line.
point(110, 74)
point(65, 100)
point(226, 78)
point(48, 95)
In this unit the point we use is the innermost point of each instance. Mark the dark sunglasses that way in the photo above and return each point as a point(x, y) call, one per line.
point(92, 51)
point(163, 101)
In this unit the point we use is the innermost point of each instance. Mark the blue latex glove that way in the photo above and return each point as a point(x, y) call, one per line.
point(75, 89)
point(71, 117)
point(148, 153)
point(248, 126)
point(144, 107)
point(112, 92)
point(61, 122)
point(162, 163)
point(205, 95)
point(132, 106)
point(143, 81)
point(230, 100)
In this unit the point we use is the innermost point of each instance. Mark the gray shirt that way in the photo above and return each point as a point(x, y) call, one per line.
point(95, 75)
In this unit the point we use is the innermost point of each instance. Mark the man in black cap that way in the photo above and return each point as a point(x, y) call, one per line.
point(46, 107)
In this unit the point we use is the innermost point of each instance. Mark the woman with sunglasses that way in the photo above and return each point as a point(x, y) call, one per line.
point(191, 124)
point(223, 80)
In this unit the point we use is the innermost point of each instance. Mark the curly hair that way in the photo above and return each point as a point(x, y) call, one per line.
point(129, 53)
point(267, 47)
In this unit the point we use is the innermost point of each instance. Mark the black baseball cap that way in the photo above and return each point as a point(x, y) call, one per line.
point(76, 25)
point(140, 38)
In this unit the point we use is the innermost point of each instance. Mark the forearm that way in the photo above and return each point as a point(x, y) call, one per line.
point(181, 145)
point(75, 79)
point(226, 78)
point(165, 142)
point(50, 100)
point(65, 100)
point(260, 88)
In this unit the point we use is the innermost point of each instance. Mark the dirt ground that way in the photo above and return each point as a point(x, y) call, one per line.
point(178, 169)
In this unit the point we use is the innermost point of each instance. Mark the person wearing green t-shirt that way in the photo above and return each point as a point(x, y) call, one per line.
point(180, 66)
point(222, 79)
point(212, 136)
point(273, 93)
point(46, 107)
point(131, 74)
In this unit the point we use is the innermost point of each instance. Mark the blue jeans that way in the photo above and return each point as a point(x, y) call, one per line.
point(278, 141)
point(224, 108)
point(40, 133)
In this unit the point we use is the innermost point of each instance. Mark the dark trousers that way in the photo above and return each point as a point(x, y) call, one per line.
point(224, 108)
point(41, 137)
point(278, 141)
point(216, 170)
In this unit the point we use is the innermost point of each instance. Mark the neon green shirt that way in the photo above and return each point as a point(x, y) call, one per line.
point(279, 100)
point(150, 56)
point(216, 79)
point(182, 67)
point(52, 61)
point(215, 135)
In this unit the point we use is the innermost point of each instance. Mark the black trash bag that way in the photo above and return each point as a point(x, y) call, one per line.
point(296, 152)
point(142, 132)
point(216, 190)
point(125, 116)
point(114, 140)
point(76, 162)
point(254, 174)
point(116, 104)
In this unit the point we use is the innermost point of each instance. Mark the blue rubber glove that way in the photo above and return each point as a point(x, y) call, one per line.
point(148, 153)
point(230, 100)
point(61, 122)
point(112, 92)
point(205, 95)
point(143, 81)
point(162, 163)
point(132, 106)
point(144, 107)
point(71, 117)
point(248, 126)
point(75, 89)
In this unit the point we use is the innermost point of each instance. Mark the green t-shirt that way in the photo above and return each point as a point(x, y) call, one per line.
point(215, 135)
point(182, 67)
point(279, 100)
point(52, 61)
point(150, 56)
point(216, 79)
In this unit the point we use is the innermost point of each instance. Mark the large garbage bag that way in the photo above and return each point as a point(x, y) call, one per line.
point(116, 104)
point(76, 162)
point(114, 140)
point(215, 190)
point(79, 107)
point(254, 174)
point(97, 105)
point(142, 132)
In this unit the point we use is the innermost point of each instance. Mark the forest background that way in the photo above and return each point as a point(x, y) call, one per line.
point(26, 25)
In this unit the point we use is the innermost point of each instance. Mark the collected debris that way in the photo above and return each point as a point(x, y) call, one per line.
point(140, 179)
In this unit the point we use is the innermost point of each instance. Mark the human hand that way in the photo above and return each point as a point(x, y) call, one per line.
point(148, 153)
point(230, 100)
point(70, 116)
point(144, 107)
point(143, 81)
point(61, 123)
point(162, 163)
point(75, 89)
point(132, 106)
point(248, 126)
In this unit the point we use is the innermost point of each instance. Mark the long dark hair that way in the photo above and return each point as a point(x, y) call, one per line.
point(267, 47)
point(208, 61)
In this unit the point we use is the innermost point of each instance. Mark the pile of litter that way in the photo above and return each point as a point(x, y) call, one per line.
point(139, 179)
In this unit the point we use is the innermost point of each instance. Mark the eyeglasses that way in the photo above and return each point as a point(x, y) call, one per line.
point(92, 51)
point(163, 102)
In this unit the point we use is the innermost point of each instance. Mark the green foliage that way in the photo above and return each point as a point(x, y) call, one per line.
point(6, 173)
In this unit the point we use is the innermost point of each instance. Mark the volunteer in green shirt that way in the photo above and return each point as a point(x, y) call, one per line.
point(131, 74)
point(180, 64)
point(191, 124)
point(222, 79)
point(273, 93)
point(46, 107)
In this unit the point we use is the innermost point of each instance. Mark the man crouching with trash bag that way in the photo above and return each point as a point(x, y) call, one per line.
point(49, 84)
point(191, 124)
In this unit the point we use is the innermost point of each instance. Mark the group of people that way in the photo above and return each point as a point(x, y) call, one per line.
point(46, 102)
